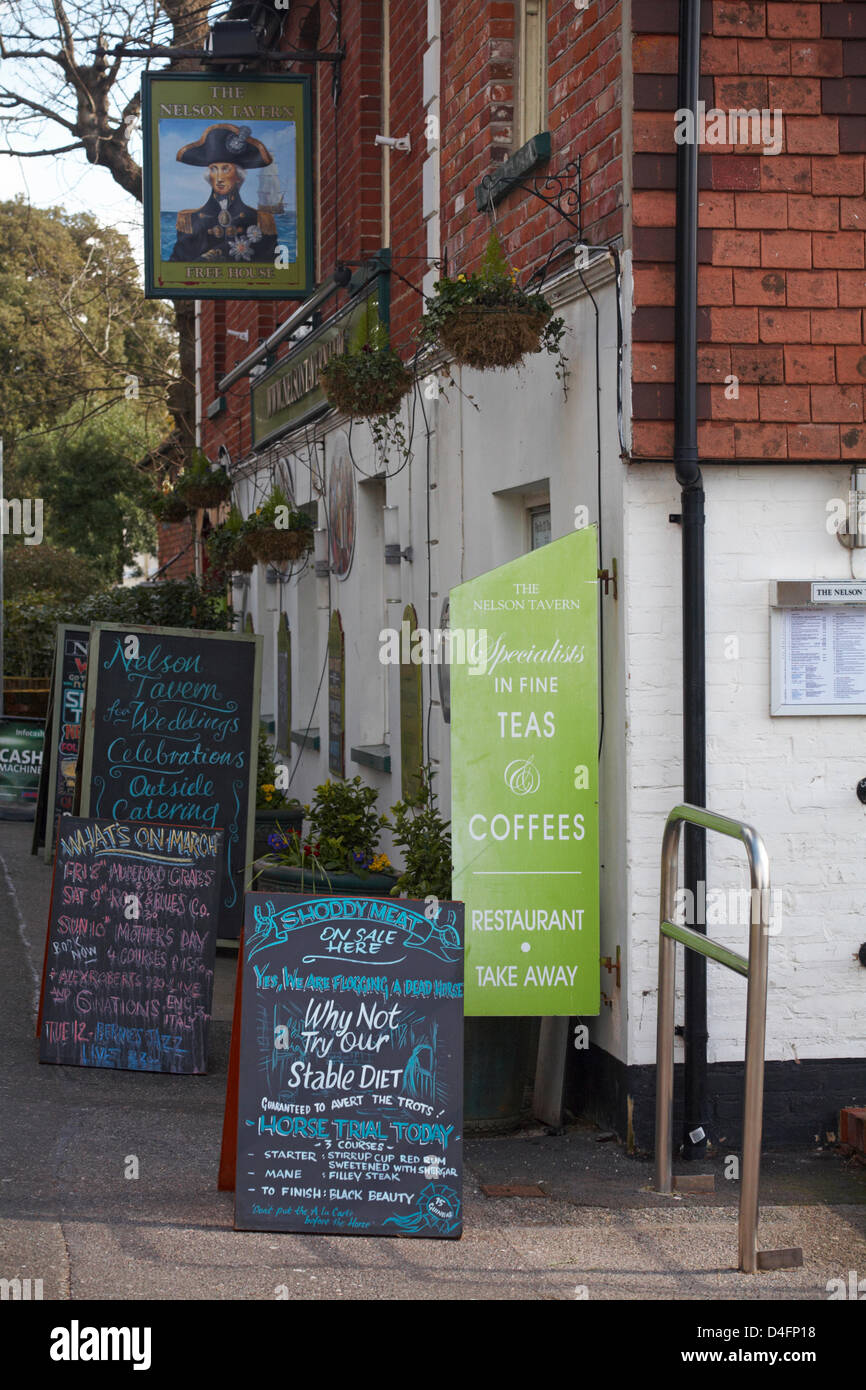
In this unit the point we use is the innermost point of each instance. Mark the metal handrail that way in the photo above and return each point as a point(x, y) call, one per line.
point(755, 970)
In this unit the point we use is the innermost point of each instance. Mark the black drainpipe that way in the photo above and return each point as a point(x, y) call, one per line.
point(688, 475)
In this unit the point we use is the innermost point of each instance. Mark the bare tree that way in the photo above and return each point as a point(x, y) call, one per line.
point(64, 69)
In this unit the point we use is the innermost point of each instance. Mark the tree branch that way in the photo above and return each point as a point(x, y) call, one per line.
point(28, 53)
point(38, 154)
point(64, 27)
point(15, 99)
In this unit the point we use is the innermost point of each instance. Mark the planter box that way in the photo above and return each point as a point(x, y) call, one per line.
point(287, 878)
point(289, 818)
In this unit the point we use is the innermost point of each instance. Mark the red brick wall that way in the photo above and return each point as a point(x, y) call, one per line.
point(584, 116)
point(408, 234)
point(782, 284)
point(477, 99)
point(350, 198)
point(175, 539)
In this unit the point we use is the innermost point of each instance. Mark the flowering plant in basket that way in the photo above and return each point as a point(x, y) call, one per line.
point(485, 320)
point(227, 546)
point(277, 532)
point(369, 381)
point(203, 485)
point(169, 505)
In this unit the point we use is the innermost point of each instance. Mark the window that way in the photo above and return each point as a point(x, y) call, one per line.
point(531, 114)
point(539, 527)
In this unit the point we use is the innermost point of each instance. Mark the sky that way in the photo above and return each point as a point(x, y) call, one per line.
point(67, 180)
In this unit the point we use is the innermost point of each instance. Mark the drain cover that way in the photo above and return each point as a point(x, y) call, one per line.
point(512, 1189)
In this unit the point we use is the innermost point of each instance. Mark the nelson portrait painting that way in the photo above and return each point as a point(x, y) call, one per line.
point(225, 228)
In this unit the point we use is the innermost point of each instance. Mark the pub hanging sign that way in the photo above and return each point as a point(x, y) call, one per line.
point(227, 186)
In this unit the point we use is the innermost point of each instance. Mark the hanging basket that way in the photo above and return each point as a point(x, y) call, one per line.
point(488, 336)
point(230, 554)
point(366, 384)
point(270, 543)
point(170, 508)
point(206, 492)
point(241, 559)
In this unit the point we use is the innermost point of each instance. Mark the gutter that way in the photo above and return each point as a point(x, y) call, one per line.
point(688, 475)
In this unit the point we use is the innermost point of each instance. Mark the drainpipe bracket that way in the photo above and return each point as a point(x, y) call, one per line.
point(609, 578)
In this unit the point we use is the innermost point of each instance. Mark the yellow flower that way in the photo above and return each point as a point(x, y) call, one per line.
point(462, 277)
point(380, 862)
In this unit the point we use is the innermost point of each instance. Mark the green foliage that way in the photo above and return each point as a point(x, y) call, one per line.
point(167, 505)
point(276, 510)
point(343, 819)
point(170, 603)
point(200, 484)
point(425, 840)
point(368, 383)
point(75, 329)
point(227, 548)
point(97, 500)
point(494, 285)
point(345, 830)
point(198, 468)
point(493, 262)
point(269, 797)
point(276, 532)
point(31, 570)
point(30, 621)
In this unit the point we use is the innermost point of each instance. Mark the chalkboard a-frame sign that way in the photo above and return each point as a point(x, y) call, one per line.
point(350, 1088)
point(171, 734)
point(127, 981)
point(64, 730)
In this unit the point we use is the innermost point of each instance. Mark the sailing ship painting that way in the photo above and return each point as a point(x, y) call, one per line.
point(270, 197)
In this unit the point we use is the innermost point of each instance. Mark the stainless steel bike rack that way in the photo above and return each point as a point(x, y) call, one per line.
point(755, 970)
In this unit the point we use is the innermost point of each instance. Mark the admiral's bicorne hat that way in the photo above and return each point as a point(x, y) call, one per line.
point(226, 144)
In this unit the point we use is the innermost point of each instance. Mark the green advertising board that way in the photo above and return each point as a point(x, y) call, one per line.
point(524, 780)
point(228, 186)
point(21, 746)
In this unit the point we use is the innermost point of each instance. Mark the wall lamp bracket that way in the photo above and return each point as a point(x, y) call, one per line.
point(394, 142)
point(393, 554)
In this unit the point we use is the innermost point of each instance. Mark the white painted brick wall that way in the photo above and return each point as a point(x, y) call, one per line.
point(793, 779)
